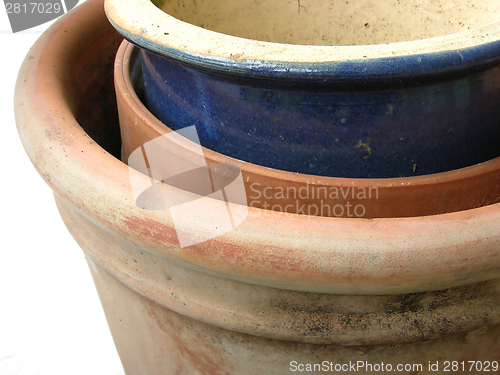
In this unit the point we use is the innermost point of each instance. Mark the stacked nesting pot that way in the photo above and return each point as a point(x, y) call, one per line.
point(404, 134)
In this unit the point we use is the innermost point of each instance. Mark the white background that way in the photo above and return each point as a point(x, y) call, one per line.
point(51, 320)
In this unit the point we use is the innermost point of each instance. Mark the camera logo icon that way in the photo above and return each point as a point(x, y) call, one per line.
point(205, 201)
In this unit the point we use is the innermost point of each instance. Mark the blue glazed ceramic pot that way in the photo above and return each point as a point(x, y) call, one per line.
point(365, 111)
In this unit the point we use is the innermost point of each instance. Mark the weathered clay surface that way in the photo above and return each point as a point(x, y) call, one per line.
point(279, 288)
point(284, 314)
point(155, 340)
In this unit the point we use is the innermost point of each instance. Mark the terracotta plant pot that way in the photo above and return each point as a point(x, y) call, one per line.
point(278, 292)
point(282, 191)
point(311, 102)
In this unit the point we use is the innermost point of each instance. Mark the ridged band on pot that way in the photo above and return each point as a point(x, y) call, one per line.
point(268, 188)
point(314, 318)
point(287, 267)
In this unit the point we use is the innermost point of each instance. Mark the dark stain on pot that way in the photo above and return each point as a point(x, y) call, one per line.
point(407, 317)
point(406, 303)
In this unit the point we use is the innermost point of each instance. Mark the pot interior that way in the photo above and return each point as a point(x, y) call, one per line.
point(92, 82)
point(334, 22)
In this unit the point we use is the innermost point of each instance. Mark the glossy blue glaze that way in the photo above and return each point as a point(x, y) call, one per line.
point(402, 125)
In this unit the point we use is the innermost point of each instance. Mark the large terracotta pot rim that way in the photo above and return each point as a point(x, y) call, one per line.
point(295, 252)
point(151, 302)
point(137, 106)
point(144, 24)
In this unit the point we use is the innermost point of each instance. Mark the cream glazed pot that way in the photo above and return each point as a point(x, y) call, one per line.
point(276, 292)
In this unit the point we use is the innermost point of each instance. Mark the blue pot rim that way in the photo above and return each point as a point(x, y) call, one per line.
point(452, 54)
